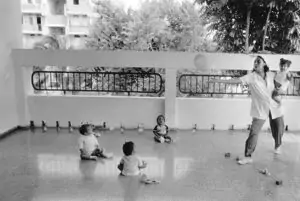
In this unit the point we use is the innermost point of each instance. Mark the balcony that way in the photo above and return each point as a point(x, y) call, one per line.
point(55, 21)
point(32, 29)
point(82, 9)
point(77, 30)
point(32, 8)
point(181, 112)
point(190, 169)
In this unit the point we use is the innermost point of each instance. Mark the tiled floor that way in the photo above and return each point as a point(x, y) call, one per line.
point(46, 167)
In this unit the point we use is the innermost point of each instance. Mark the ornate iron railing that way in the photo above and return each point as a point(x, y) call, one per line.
point(195, 84)
point(96, 81)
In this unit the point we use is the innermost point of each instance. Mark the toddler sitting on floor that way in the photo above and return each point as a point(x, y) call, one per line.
point(161, 131)
point(131, 165)
point(88, 144)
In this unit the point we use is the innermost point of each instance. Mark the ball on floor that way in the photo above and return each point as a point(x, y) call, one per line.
point(227, 155)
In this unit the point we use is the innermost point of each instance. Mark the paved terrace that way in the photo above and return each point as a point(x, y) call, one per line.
point(46, 167)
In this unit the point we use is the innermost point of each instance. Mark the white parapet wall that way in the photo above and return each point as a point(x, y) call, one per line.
point(226, 112)
point(129, 111)
point(181, 113)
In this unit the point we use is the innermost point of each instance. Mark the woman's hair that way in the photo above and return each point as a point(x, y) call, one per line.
point(159, 116)
point(83, 128)
point(128, 148)
point(285, 62)
point(266, 67)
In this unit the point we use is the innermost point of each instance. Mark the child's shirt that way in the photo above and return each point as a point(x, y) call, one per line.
point(281, 80)
point(161, 129)
point(131, 165)
point(88, 143)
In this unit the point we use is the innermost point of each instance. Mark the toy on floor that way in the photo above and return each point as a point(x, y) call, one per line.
point(57, 126)
point(140, 128)
point(44, 126)
point(131, 164)
point(88, 144)
point(265, 172)
point(194, 128)
point(161, 131)
point(32, 126)
point(146, 180)
point(227, 155)
point(122, 129)
point(70, 127)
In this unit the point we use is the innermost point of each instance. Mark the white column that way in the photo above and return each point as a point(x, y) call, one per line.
point(170, 98)
point(10, 37)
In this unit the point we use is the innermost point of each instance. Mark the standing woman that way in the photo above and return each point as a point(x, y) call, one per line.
point(261, 85)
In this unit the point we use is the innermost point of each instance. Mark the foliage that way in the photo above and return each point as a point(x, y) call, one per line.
point(164, 25)
point(158, 25)
point(229, 20)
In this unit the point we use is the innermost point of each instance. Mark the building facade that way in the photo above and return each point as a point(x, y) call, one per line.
point(72, 18)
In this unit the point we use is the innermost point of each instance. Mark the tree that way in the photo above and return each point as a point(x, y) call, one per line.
point(242, 24)
point(157, 26)
point(270, 6)
point(57, 42)
point(52, 42)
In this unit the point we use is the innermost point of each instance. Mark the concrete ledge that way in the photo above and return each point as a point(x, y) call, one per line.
point(12, 131)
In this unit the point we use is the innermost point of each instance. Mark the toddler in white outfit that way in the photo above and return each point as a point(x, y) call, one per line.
point(282, 80)
point(88, 144)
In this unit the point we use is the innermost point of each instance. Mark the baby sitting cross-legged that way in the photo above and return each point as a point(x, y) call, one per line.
point(88, 144)
point(161, 131)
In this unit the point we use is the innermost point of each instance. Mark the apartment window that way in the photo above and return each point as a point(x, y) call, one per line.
point(38, 20)
point(76, 2)
point(76, 36)
point(31, 20)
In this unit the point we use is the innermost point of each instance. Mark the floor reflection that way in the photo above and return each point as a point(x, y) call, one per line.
point(182, 167)
point(51, 165)
point(47, 167)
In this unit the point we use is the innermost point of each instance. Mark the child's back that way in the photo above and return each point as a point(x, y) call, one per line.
point(131, 165)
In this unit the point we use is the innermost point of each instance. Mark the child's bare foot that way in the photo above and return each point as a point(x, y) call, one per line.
point(108, 155)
